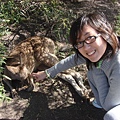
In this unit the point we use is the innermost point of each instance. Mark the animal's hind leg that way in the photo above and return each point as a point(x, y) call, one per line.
point(72, 81)
point(50, 59)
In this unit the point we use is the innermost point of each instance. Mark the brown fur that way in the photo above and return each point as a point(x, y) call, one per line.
point(27, 56)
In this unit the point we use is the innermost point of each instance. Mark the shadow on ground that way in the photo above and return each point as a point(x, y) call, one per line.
point(38, 109)
point(53, 100)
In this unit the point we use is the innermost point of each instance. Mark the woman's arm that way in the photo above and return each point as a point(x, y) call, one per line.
point(64, 64)
point(113, 96)
point(110, 95)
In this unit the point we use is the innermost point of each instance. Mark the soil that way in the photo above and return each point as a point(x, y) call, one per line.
point(56, 99)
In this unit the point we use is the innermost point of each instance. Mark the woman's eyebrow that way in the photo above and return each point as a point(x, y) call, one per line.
point(87, 33)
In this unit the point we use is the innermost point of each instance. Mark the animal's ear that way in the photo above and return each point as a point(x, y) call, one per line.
point(12, 69)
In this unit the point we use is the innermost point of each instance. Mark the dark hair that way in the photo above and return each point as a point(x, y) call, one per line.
point(99, 22)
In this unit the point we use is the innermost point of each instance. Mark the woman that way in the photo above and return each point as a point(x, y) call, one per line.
point(95, 44)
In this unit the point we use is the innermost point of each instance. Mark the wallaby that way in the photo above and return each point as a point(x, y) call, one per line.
point(26, 57)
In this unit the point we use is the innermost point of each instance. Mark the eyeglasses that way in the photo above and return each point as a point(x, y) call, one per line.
point(88, 40)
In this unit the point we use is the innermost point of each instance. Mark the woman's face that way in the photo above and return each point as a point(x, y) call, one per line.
point(93, 51)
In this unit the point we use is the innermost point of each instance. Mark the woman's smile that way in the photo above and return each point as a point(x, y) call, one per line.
point(91, 53)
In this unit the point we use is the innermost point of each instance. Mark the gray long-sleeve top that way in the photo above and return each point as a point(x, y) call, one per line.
point(105, 80)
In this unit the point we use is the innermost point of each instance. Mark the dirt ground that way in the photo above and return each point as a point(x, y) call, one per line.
point(56, 99)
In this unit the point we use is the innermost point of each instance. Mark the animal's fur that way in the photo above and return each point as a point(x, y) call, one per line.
point(31, 53)
point(27, 56)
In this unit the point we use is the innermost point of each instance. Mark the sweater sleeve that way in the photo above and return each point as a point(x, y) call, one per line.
point(112, 70)
point(65, 64)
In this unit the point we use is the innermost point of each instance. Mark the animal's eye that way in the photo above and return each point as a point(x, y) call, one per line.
point(12, 62)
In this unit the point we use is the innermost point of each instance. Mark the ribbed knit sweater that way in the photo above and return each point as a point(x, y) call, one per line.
point(104, 81)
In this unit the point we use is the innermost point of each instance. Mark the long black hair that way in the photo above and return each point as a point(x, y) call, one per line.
point(99, 22)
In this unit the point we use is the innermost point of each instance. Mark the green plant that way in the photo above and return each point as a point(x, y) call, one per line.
point(58, 17)
point(117, 25)
point(3, 96)
point(5, 19)
point(114, 1)
point(10, 12)
point(51, 18)
point(2, 57)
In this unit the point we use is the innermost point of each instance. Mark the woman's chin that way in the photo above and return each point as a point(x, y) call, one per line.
point(94, 60)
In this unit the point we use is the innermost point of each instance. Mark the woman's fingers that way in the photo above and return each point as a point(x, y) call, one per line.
point(36, 77)
point(39, 76)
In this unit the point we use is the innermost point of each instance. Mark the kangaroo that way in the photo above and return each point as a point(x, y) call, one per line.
point(26, 57)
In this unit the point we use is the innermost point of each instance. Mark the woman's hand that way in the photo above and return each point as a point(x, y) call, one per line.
point(39, 76)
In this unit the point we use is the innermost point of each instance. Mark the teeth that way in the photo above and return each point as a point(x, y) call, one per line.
point(91, 53)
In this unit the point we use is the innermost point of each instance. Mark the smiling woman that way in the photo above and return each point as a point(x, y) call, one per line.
point(97, 46)
point(94, 46)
